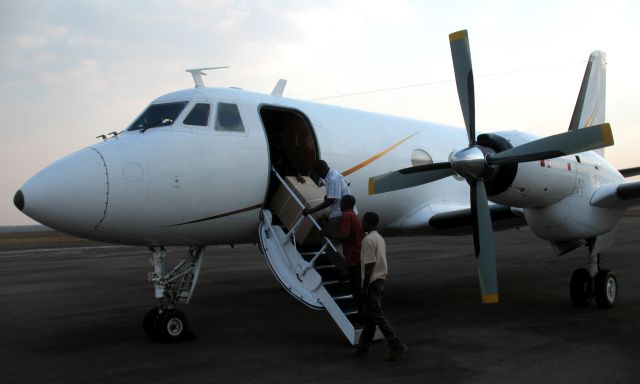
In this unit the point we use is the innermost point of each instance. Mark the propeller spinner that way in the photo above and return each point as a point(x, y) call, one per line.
point(477, 162)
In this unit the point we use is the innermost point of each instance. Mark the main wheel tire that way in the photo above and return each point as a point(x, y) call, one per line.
point(581, 289)
point(150, 324)
point(606, 288)
point(172, 326)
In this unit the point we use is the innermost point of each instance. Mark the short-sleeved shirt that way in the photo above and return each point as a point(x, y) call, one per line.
point(374, 250)
point(336, 188)
point(351, 228)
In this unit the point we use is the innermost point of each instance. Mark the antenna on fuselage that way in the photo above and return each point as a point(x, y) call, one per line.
point(197, 74)
point(278, 90)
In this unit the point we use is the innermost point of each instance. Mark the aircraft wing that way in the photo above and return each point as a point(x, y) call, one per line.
point(460, 222)
point(622, 195)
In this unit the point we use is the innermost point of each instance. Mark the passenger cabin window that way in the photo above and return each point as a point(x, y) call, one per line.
point(228, 118)
point(158, 115)
point(199, 115)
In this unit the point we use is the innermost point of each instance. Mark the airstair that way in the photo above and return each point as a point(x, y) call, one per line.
point(305, 270)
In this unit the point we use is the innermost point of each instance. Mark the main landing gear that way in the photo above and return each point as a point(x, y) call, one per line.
point(165, 323)
point(595, 283)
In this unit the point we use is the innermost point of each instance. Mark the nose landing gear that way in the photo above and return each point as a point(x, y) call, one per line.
point(165, 323)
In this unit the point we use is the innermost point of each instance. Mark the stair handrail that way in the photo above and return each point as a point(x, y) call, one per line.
point(310, 217)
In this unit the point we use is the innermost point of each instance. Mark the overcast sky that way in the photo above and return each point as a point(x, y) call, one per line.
point(71, 70)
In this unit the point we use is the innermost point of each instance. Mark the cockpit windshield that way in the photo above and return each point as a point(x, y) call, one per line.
point(158, 115)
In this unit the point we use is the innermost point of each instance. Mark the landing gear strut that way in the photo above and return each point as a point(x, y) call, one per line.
point(165, 323)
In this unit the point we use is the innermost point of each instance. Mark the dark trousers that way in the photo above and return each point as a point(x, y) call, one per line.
point(355, 282)
point(337, 259)
point(375, 317)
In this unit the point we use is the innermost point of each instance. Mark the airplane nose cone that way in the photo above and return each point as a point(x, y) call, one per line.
point(70, 195)
point(18, 200)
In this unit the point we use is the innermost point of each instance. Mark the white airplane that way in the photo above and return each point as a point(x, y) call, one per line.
point(195, 169)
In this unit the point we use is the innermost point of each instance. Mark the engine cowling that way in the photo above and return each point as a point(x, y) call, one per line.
point(532, 184)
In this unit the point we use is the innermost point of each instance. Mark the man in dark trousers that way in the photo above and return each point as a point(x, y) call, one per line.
point(374, 272)
point(350, 234)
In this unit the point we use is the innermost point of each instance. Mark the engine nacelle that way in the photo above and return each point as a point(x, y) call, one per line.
point(532, 184)
point(574, 217)
point(570, 219)
point(555, 193)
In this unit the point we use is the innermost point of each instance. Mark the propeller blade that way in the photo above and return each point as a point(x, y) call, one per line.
point(461, 55)
point(483, 242)
point(409, 177)
point(567, 143)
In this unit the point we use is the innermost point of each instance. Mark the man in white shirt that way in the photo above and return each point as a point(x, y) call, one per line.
point(336, 186)
point(373, 257)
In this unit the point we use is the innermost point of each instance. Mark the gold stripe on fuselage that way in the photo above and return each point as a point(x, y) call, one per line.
point(376, 156)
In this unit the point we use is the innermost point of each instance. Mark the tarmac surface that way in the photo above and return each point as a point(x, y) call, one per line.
point(73, 313)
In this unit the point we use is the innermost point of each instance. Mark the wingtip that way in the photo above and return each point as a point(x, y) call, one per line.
point(371, 186)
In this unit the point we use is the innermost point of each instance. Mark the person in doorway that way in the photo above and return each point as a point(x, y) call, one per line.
point(374, 273)
point(280, 156)
point(350, 234)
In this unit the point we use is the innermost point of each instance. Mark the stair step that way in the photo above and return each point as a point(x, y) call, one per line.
point(343, 297)
point(339, 289)
point(323, 259)
point(347, 305)
point(328, 274)
point(350, 311)
point(303, 249)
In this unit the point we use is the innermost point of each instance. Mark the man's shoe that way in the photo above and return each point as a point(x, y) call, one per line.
point(361, 352)
point(396, 353)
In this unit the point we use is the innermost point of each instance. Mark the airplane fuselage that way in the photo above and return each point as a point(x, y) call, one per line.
point(195, 184)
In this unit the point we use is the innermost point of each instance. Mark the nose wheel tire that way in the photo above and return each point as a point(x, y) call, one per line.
point(149, 324)
point(166, 325)
point(581, 289)
point(606, 288)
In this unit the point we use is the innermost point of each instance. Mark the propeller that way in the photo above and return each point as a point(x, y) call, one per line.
point(476, 162)
point(461, 55)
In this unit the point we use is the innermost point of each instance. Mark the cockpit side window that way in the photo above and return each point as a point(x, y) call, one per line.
point(228, 118)
point(158, 115)
point(199, 115)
